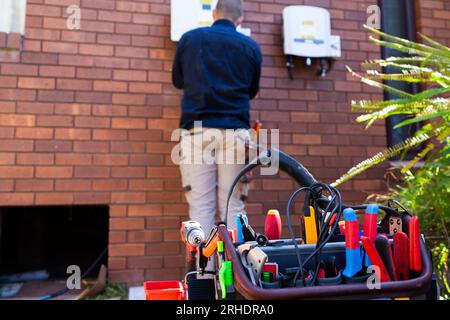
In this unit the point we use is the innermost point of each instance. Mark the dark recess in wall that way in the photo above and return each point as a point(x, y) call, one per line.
point(52, 238)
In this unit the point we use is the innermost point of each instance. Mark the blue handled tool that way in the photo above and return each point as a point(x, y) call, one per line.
point(352, 247)
point(239, 233)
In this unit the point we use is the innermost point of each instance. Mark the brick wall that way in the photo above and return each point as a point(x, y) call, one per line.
point(86, 117)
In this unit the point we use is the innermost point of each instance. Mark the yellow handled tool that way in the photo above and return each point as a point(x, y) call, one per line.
point(311, 227)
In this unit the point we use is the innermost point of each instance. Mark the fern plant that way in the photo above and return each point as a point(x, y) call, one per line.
point(428, 64)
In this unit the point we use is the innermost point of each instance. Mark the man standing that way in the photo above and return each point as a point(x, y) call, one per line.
point(219, 70)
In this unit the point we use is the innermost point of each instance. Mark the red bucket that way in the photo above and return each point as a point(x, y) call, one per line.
point(164, 290)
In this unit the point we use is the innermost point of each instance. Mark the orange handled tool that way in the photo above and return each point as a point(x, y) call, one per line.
point(211, 245)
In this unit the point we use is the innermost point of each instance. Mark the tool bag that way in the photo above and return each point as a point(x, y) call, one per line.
point(285, 254)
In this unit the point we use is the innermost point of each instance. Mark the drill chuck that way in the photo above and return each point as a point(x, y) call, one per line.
point(192, 233)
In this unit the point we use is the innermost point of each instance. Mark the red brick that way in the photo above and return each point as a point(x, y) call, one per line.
point(91, 146)
point(96, 49)
point(77, 36)
point(54, 172)
point(94, 73)
point(35, 185)
point(54, 198)
point(163, 248)
point(16, 145)
point(128, 123)
point(117, 86)
point(98, 4)
point(111, 62)
point(130, 75)
point(93, 97)
point(7, 158)
point(57, 71)
point(8, 82)
point(117, 236)
point(132, 6)
point(39, 58)
point(72, 134)
point(92, 172)
point(126, 223)
point(110, 185)
point(114, 16)
point(17, 120)
point(144, 236)
point(128, 147)
point(108, 134)
point(92, 197)
point(164, 222)
point(56, 96)
point(145, 210)
point(53, 146)
point(73, 159)
point(128, 172)
point(128, 197)
point(35, 108)
point(39, 10)
point(75, 60)
point(108, 110)
point(145, 87)
point(54, 121)
point(128, 28)
point(36, 83)
point(116, 262)
point(34, 133)
point(144, 262)
point(116, 39)
point(111, 159)
point(322, 150)
point(146, 184)
point(92, 122)
point(16, 199)
point(16, 172)
point(306, 139)
point(72, 185)
point(70, 84)
point(19, 69)
point(59, 47)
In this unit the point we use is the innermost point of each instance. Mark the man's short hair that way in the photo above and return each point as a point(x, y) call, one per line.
point(230, 9)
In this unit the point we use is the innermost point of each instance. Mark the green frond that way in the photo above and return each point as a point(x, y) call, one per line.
point(418, 157)
point(396, 61)
point(380, 85)
point(434, 43)
point(414, 76)
point(385, 155)
point(423, 118)
point(410, 44)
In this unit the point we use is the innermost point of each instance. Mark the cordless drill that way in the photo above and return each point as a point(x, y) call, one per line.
point(192, 236)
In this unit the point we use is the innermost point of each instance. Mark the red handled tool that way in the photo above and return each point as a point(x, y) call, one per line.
point(401, 255)
point(415, 258)
point(272, 225)
point(370, 226)
point(384, 250)
point(375, 259)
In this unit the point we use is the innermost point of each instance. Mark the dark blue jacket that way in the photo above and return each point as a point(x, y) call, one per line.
point(219, 70)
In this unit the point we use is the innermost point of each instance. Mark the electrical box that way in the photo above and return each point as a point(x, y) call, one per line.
point(12, 16)
point(307, 33)
point(191, 14)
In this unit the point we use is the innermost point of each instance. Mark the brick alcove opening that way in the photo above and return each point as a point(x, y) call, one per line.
point(52, 238)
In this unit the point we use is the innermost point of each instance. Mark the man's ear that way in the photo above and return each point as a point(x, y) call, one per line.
point(215, 14)
point(239, 21)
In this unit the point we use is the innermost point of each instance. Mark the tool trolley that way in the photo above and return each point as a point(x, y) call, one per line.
point(332, 259)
